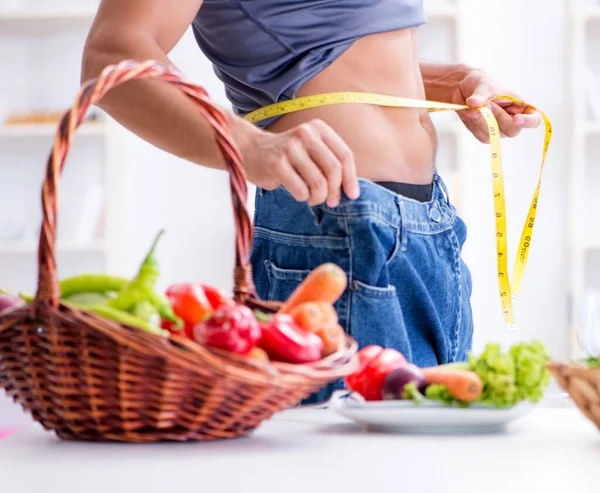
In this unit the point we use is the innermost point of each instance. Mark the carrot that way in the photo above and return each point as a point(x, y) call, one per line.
point(331, 337)
point(258, 354)
point(314, 315)
point(463, 385)
point(325, 283)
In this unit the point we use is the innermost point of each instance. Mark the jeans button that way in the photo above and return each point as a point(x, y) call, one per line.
point(435, 214)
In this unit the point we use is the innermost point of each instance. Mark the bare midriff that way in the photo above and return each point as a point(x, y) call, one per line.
point(389, 144)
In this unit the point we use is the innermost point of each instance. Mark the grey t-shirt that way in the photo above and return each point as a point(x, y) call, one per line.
point(264, 50)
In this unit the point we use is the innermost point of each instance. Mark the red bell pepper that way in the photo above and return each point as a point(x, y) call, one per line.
point(217, 297)
point(193, 303)
point(374, 364)
point(190, 303)
point(232, 328)
point(283, 340)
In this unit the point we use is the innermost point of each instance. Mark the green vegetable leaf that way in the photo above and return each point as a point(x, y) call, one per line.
point(592, 362)
point(508, 377)
point(439, 393)
point(411, 392)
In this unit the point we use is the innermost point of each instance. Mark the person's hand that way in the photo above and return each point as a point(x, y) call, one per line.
point(311, 161)
point(475, 89)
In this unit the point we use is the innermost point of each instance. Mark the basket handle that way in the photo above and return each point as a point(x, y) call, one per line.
point(91, 92)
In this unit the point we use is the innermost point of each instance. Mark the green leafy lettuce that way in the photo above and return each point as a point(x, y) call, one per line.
point(508, 377)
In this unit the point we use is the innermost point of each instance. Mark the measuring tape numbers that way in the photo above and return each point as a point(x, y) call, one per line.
point(508, 291)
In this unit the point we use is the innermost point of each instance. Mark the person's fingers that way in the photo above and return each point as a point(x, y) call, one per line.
point(507, 126)
point(345, 156)
point(530, 118)
point(323, 156)
point(298, 156)
point(291, 180)
point(476, 125)
point(481, 95)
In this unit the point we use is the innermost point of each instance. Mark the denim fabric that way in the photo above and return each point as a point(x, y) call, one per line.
point(408, 287)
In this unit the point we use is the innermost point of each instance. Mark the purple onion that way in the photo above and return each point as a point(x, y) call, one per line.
point(396, 381)
point(9, 302)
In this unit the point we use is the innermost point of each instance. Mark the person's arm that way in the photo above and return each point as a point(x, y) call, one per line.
point(458, 83)
point(158, 112)
point(311, 161)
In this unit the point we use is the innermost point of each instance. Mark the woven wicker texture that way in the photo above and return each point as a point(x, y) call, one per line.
point(583, 385)
point(89, 378)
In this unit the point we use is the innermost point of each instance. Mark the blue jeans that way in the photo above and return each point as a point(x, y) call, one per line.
point(408, 287)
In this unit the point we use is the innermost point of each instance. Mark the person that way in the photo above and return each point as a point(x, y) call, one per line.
point(352, 184)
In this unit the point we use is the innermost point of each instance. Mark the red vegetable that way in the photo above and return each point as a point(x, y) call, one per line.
point(232, 328)
point(283, 340)
point(190, 303)
point(217, 297)
point(374, 365)
point(356, 381)
point(193, 303)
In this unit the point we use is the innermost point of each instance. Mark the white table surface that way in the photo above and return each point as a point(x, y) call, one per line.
point(317, 451)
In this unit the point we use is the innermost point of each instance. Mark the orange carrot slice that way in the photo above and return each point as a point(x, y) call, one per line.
point(325, 283)
point(314, 315)
point(463, 385)
point(331, 337)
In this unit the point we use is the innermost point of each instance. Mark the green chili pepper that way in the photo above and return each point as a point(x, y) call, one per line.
point(147, 311)
point(165, 310)
point(88, 298)
point(119, 316)
point(26, 297)
point(91, 283)
point(84, 296)
point(142, 285)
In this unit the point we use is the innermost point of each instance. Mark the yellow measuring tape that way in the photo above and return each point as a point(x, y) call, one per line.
point(506, 293)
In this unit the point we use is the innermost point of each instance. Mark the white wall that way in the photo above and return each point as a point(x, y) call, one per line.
point(527, 53)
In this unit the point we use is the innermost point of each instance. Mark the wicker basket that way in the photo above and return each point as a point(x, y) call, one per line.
point(88, 378)
point(582, 384)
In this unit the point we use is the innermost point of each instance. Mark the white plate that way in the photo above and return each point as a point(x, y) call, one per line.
point(427, 417)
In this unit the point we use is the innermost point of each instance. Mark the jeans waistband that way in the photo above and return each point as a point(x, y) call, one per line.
point(419, 217)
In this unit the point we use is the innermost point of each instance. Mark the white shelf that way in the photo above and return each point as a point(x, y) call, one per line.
point(591, 128)
point(40, 22)
point(30, 247)
point(41, 15)
point(49, 129)
point(590, 13)
point(584, 243)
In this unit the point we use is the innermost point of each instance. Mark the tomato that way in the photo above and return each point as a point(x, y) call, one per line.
point(374, 363)
point(376, 371)
point(355, 381)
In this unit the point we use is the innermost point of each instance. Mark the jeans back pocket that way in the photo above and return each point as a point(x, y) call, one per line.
point(283, 282)
point(376, 318)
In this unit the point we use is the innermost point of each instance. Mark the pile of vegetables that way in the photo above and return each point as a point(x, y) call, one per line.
point(494, 378)
point(304, 330)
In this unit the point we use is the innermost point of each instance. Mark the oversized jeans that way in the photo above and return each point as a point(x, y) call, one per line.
point(408, 287)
